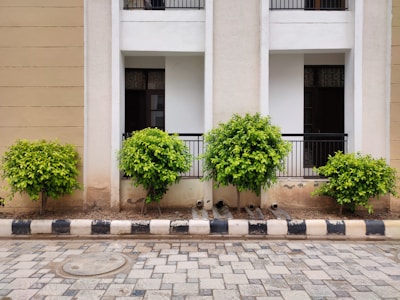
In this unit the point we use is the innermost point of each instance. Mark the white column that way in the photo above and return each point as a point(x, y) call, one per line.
point(388, 75)
point(358, 73)
point(264, 57)
point(264, 74)
point(97, 98)
point(208, 88)
point(116, 87)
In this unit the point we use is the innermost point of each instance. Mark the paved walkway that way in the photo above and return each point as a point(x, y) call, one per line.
point(191, 269)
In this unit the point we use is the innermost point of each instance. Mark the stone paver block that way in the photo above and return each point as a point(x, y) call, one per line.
point(252, 290)
point(295, 295)
point(183, 289)
point(257, 274)
point(174, 278)
point(119, 290)
point(319, 290)
point(21, 294)
point(53, 290)
point(316, 275)
point(148, 284)
point(227, 294)
point(164, 269)
point(214, 284)
point(199, 273)
point(191, 265)
point(140, 273)
point(157, 295)
point(235, 278)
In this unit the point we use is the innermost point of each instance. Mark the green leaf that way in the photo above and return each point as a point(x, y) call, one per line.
point(33, 166)
point(154, 159)
point(356, 178)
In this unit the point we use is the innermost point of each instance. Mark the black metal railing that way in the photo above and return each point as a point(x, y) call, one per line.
point(163, 4)
point(311, 150)
point(194, 141)
point(310, 4)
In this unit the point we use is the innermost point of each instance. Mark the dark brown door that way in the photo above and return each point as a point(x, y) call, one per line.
point(135, 110)
point(323, 114)
point(144, 109)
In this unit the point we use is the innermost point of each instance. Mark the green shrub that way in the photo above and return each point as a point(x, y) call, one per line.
point(155, 160)
point(354, 179)
point(245, 152)
point(41, 167)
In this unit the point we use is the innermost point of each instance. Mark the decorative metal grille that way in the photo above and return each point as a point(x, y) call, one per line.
point(308, 77)
point(135, 80)
point(324, 76)
point(143, 79)
point(331, 77)
point(156, 80)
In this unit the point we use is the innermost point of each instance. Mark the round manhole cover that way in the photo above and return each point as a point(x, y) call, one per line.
point(94, 264)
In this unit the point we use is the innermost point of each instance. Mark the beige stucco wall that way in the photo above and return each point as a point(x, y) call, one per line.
point(236, 56)
point(395, 97)
point(41, 78)
point(98, 104)
point(374, 78)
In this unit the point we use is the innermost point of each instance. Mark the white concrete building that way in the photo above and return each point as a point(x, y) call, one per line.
point(315, 66)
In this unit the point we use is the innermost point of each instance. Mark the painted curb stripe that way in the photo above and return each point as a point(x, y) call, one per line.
point(219, 226)
point(180, 227)
point(101, 227)
point(61, 227)
point(336, 227)
point(297, 227)
point(216, 226)
point(376, 227)
point(258, 227)
point(140, 227)
point(21, 227)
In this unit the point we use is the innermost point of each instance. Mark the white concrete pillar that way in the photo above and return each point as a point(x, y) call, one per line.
point(208, 88)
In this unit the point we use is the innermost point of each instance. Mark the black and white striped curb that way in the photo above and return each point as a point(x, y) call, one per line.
point(330, 229)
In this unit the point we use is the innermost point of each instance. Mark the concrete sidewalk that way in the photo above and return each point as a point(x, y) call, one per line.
point(176, 269)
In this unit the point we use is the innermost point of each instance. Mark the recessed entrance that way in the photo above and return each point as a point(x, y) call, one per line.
point(323, 113)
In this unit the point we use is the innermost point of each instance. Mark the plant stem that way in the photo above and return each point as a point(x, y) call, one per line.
point(44, 201)
point(238, 199)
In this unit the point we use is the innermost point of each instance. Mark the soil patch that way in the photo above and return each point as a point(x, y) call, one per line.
point(186, 214)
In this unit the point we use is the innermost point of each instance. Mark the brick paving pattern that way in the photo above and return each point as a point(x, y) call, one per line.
point(191, 269)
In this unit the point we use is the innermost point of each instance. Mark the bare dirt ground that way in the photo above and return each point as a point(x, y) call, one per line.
point(186, 214)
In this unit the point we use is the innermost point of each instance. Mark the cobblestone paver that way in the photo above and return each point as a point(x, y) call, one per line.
point(232, 269)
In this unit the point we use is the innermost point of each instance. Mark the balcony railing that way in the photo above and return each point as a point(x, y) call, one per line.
point(163, 4)
point(311, 150)
point(310, 4)
point(308, 151)
point(194, 141)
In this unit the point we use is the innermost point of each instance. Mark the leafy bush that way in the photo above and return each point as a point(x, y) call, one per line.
point(154, 159)
point(355, 178)
point(245, 152)
point(41, 167)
